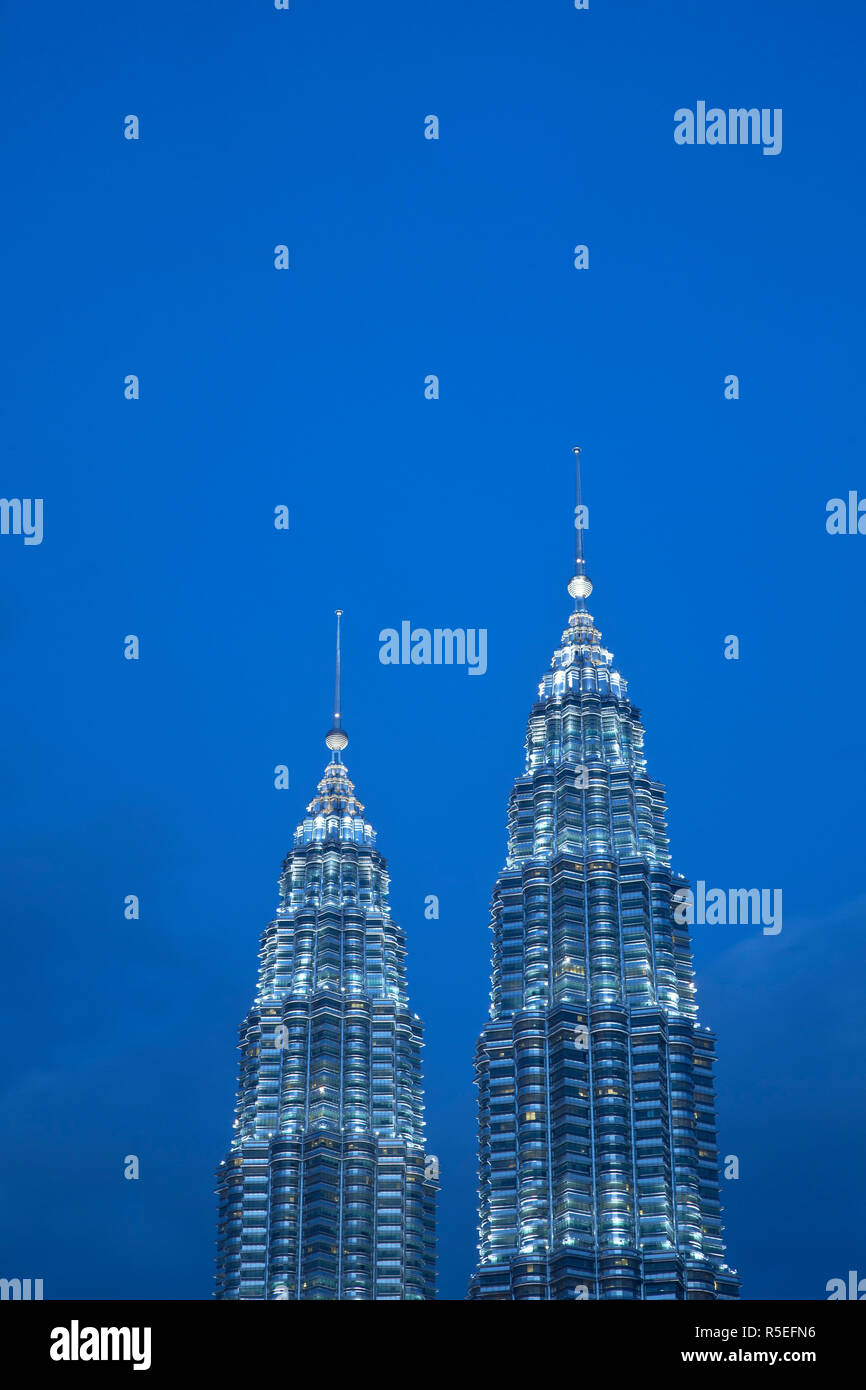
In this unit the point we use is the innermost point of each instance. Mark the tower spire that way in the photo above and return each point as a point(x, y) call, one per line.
point(337, 739)
point(580, 587)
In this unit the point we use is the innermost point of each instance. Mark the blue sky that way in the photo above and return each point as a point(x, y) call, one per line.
point(306, 388)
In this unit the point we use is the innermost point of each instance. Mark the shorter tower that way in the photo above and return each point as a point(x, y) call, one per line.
point(326, 1192)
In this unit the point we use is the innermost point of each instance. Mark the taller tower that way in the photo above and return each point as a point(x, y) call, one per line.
point(326, 1192)
point(598, 1167)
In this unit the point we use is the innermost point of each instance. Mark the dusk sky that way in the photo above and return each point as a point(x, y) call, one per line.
point(306, 388)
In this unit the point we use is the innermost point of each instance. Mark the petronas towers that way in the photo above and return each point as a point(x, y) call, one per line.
point(597, 1157)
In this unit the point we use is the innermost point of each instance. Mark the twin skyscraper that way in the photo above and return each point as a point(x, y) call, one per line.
point(598, 1165)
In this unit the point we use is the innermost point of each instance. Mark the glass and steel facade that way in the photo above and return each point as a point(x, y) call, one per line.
point(598, 1165)
point(326, 1192)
